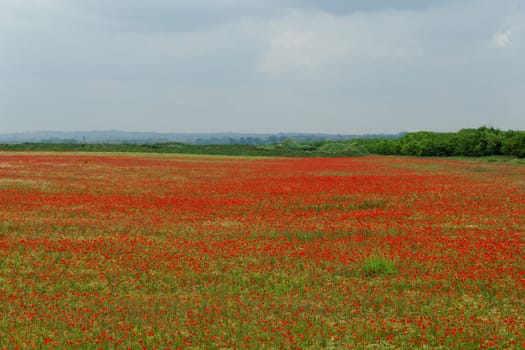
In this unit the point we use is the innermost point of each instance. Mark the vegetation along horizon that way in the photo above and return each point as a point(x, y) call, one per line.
point(176, 252)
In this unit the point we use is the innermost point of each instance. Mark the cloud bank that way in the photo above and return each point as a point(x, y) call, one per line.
point(261, 66)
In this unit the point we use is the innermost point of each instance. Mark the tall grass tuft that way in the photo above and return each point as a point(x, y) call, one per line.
point(378, 266)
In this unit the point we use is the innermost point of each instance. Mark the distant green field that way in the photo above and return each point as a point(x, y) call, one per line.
point(288, 148)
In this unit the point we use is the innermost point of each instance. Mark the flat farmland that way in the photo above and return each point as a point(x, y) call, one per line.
point(112, 251)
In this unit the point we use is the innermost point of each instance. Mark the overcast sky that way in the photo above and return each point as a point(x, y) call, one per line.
point(336, 66)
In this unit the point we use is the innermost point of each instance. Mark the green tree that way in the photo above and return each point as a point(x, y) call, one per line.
point(513, 144)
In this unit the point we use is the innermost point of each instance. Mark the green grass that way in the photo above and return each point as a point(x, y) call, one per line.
point(345, 205)
point(378, 266)
point(491, 159)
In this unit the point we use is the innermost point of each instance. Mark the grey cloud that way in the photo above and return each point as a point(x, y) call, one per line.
point(176, 15)
point(343, 7)
point(261, 65)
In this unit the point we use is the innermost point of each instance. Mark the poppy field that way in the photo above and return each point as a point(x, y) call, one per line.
point(178, 252)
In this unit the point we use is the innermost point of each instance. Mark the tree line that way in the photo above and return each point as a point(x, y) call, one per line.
point(478, 142)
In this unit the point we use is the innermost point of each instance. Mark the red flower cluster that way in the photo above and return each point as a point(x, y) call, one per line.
point(177, 252)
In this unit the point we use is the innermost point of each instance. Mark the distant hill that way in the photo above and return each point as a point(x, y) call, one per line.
point(126, 137)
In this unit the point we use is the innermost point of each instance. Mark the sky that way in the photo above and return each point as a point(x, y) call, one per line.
point(262, 66)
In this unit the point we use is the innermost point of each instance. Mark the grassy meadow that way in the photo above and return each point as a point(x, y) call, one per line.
point(177, 252)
